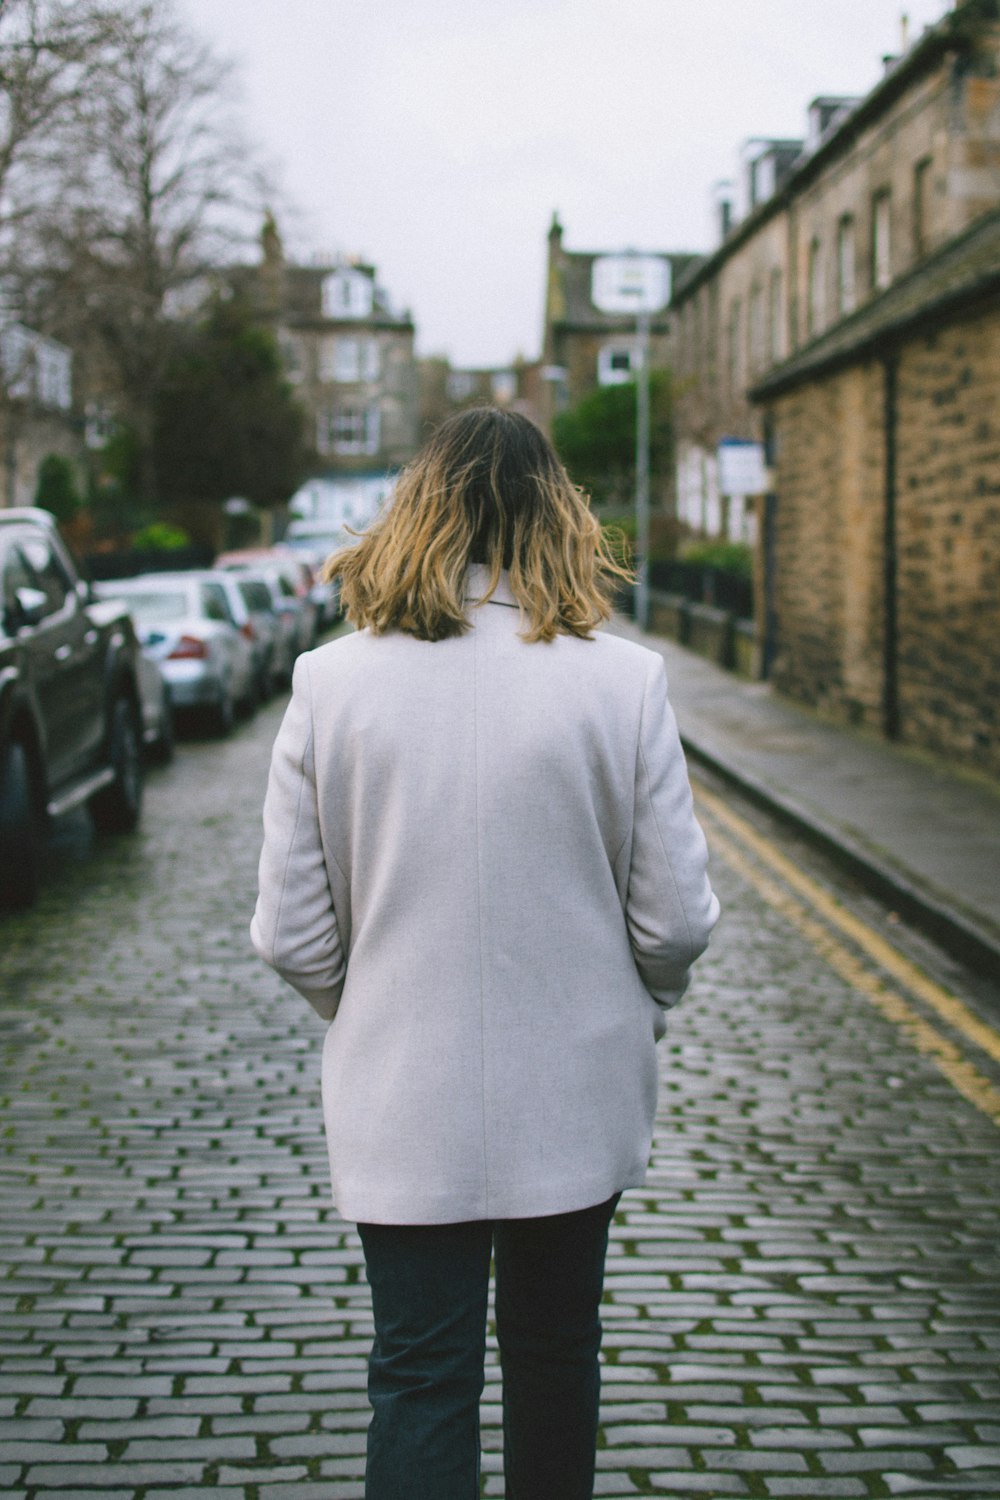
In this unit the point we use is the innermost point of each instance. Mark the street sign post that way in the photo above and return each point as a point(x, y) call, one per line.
point(639, 286)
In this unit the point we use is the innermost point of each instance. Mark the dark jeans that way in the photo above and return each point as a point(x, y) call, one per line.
point(429, 1288)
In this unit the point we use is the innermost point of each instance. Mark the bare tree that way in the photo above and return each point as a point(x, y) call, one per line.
point(49, 50)
point(149, 189)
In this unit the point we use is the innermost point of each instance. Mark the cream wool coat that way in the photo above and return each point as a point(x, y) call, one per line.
point(482, 866)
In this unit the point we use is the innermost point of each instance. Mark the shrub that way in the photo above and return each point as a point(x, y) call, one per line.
point(56, 489)
point(728, 557)
point(160, 537)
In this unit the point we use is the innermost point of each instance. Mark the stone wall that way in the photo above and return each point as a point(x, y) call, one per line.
point(949, 541)
point(826, 585)
point(827, 576)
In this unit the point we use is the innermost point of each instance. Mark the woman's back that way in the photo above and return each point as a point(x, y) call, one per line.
point(481, 865)
point(476, 799)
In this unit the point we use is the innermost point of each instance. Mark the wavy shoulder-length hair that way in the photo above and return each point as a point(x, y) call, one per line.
point(486, 488)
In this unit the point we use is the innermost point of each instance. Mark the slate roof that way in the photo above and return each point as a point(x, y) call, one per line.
point(959, 32)
point(301, 297)
point(963, 273)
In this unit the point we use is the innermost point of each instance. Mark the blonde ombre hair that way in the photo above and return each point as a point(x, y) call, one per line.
point(486, 488)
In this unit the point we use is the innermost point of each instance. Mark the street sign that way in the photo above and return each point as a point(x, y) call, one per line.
point(742, 470)
point(630, 284)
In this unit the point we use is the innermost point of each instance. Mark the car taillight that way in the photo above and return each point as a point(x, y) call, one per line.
point(248, 631)
point(189, 646)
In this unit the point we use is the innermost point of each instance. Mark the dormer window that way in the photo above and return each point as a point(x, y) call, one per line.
point(348, 293)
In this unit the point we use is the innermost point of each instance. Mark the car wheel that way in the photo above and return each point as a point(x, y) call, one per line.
point(20, 834)
point(165, 743)
point(115, 808)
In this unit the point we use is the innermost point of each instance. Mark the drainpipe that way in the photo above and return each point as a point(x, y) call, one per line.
point(890, 570)
point(764, 606)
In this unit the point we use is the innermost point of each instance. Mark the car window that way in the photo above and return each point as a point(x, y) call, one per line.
point(215, 603)
point(16, 575)
point(261, 595)
point(284, 587)
point(48, 573)
point(254, 595)
point(155, 606)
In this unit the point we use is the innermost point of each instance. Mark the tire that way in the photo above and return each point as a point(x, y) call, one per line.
point(20, 833)
point(115, 808)
point(162, 749)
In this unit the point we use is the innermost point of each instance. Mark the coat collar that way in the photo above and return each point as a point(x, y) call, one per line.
point(477, 581)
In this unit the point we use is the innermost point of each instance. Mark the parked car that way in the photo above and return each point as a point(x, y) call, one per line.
point(157, 710)
point(295, 583)
point(70, 720)
point(316, 541)
point(288, 609)
point(186, 626)
point(272, 637)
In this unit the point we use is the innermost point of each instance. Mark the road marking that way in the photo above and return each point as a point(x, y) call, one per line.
point(942, 1052)
point(948, 1006)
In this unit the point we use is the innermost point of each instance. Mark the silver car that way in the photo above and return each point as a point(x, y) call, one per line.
point(185, 625)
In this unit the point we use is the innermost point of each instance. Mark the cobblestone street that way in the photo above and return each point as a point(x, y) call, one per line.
point(803, 1301)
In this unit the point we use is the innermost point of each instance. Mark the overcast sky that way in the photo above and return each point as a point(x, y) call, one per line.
point(434, 138)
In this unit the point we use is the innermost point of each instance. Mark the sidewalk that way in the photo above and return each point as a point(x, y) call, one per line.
point(919, 836)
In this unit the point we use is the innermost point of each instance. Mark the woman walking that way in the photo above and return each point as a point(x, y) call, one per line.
point(481, 866)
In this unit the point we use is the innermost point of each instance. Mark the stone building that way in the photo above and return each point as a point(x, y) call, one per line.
point(582, 347)
point(348, 352)
point(446, 388)
point(850, 323)
point(882, 537)
point(37, 417)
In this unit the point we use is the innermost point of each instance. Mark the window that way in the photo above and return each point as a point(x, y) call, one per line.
point(503, 384)
point(774, 314)
point(291, 356)
point(735, 351)
point(16, 575)
point(348, 429)
point(617, 363)
point(881, 247)
point(814, 298)
point(921, 205)
point(845, 266)
point(215, 603)
point(712, 332)
point(348, 293)
point(460, 385)
point(349, 360)
point(53, 375)
point(758, 328)
point(34, 366)
point(99, 424)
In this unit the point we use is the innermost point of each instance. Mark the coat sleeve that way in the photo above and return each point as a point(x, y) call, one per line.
point(670, 907)
point(294, 927)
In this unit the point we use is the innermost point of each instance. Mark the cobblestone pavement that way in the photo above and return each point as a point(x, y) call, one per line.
point(802, 1302)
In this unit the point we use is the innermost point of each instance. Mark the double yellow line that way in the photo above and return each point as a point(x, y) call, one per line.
point(819, 919)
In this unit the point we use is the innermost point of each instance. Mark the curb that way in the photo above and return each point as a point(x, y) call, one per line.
point(957, 933)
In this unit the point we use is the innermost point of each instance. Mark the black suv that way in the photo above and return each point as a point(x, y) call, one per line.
point(70, 724)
